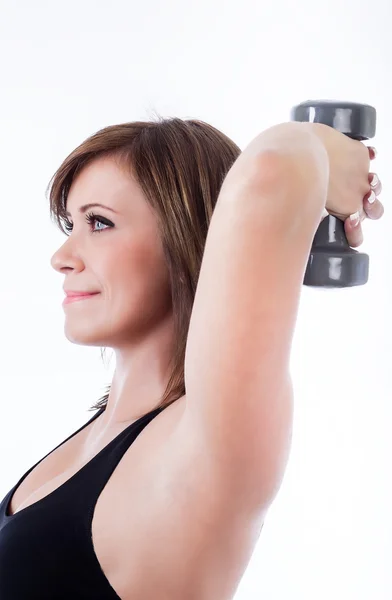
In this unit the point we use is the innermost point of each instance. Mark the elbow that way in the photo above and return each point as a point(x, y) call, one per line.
point(284, 190)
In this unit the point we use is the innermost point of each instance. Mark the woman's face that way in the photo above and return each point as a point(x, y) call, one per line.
point(118, 254)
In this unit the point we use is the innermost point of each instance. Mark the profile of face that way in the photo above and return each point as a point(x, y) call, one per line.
point(116, 251)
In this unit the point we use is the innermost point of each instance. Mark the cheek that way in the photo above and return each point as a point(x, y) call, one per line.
point(137, 275)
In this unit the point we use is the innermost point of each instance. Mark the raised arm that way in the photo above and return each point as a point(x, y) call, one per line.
point(238, 384)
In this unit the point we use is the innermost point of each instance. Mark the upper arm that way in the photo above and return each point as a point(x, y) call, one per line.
point(237, 377)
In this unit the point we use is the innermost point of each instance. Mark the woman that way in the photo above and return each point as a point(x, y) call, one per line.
point(163, 492)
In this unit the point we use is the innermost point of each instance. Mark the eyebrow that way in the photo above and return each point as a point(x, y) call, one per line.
point(85, 207)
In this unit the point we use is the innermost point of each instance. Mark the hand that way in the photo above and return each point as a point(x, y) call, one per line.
point(372, 210)
point(351, 186)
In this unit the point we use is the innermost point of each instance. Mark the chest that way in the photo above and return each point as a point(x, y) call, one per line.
point(159, 523)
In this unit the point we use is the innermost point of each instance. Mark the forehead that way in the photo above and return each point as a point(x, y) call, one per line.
point(104, 181)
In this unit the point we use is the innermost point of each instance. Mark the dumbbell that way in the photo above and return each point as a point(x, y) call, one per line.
point(332, 262)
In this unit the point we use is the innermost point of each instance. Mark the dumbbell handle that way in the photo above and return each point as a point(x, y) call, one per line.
point(332, 262)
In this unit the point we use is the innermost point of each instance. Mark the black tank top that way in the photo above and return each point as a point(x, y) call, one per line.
point(46, 550)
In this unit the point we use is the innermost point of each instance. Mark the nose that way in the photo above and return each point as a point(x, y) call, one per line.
point(66, 258)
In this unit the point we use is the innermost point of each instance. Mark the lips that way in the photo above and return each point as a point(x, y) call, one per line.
point(76, 294)
point(78, 297)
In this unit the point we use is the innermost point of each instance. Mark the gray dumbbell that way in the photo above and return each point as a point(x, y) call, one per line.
point(332, 262)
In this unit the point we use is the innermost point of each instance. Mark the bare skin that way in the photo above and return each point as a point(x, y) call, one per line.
point(132, 313)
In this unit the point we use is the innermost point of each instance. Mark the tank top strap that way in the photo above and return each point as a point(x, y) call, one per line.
point(23, 477)
point(80, 494)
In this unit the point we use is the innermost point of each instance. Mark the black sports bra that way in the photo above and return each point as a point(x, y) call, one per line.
point(46, 549)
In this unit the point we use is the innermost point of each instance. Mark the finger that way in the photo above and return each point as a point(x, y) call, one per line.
point(372, 152)
point(372, 206)
point(353, 230)
point(375, 183)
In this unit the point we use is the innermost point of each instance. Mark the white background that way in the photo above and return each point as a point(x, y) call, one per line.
point(70, 68)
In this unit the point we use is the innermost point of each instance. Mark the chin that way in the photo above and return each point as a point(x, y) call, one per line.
point(84, 336)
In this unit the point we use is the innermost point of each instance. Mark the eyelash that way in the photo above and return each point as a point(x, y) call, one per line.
point(90, 218)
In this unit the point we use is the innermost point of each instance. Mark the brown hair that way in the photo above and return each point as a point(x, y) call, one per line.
point(180, 165)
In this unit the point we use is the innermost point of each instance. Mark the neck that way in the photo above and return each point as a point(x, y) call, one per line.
point(141, 375)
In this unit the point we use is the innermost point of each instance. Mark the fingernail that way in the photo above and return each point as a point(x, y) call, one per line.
point(375, 180)
point(372, 197)
point(354, 219)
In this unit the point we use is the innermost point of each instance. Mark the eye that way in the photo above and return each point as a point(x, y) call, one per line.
point(91, 218)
